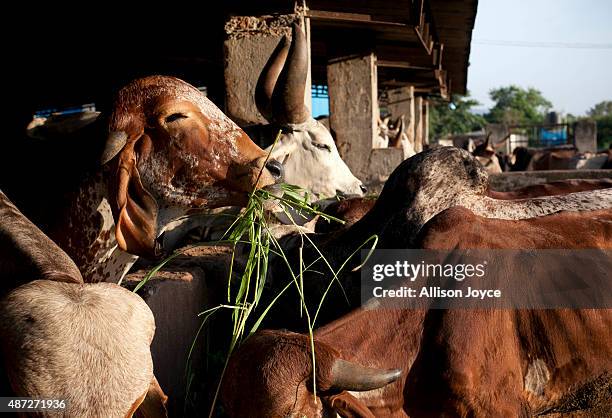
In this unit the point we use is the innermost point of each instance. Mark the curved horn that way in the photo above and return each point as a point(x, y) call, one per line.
point(488, 140)
point(114, 143)
point(288, 97)
point(267, 78)
point(399, 127)
point(350, 376)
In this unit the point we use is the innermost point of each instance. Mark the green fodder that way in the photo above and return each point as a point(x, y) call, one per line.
point(252, 231)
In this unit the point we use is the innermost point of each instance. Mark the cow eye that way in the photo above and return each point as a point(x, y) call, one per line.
point(322, 146)
point(175, 116)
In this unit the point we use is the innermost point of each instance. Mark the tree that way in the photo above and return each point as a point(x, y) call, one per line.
point(601, 109)
point(604, 131)
point(601, 113)
point(517, 106)
point(456, 117)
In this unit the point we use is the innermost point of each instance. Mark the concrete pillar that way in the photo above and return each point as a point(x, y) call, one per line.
point(249, 44)
point(425, 122)
point(585, 136)
point(401, 102)
point(353, 88)
point(177, 294)
point(418, 124)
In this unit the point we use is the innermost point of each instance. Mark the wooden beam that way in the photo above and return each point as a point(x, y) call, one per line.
point(395, 9)
point(400, 64)
point(352, 18)
point(414, 57)
point(382, 28)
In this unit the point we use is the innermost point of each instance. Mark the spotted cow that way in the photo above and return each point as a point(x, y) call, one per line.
point(164, 151)
point(87, 345)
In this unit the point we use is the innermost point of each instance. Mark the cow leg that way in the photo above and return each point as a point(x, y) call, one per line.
point(467, 366)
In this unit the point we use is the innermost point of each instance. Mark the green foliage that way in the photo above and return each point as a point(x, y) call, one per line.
point(601, 109)
point(602, 114)
point(455, 117)
point(604, 131)
point(515, 105)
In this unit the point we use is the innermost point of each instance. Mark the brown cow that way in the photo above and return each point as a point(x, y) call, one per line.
point(437, 179)
point(87, 344)
point(553, 188)
point(167, 152)
point(352, 210)
point(348, 210)
point(552, 159)
point(418, 189)
point(559, 158)
point(479, 363)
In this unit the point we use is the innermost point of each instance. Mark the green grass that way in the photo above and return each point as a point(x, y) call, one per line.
point(251, 230)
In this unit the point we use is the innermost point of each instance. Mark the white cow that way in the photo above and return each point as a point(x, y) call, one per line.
point(399, 139)
point(382, 139)
point(306, 148)
point(485, 153)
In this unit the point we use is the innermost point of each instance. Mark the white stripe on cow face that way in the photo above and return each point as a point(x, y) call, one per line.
point(311, 161)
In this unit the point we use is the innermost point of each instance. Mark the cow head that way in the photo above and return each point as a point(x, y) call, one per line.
point(306, 148)
point(382, 138)
point(271, 375)
point(423, 186)
point(485, 153)
point(171, 151)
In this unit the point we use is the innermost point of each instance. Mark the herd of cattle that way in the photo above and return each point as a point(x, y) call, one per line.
point(105, 193)
point(563, 157)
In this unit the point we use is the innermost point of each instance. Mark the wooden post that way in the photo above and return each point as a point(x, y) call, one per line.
point(418, 124)
point(353, 103)
point(425, 122)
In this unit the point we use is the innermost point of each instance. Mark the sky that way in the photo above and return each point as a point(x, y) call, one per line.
point(573, 79)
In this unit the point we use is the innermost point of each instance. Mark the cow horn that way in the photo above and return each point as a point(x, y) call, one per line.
point(399, 126)
point(351, 376)
point(488, 140)
point(114, 143)
point(267, 79)
point(288, 96)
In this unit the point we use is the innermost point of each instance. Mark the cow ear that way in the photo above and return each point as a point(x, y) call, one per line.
point(347, 406)
point(137, 209)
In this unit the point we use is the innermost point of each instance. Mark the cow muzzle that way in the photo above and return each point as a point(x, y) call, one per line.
point(259, 174)
point(269, 172)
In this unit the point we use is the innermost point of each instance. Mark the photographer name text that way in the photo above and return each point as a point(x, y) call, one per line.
point(435, 292)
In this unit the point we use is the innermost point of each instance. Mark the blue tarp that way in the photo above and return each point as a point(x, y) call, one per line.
point(555, 136)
